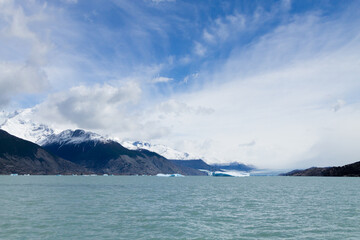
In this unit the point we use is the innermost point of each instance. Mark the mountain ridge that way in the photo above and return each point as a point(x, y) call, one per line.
point(24, 157)
point(349, 170)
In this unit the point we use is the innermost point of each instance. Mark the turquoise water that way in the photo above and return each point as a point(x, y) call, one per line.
point(76, 207)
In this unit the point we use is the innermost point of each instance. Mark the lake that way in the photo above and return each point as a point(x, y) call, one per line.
point(136, 207)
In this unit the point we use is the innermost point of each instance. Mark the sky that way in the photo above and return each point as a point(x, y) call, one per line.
point(275, 84)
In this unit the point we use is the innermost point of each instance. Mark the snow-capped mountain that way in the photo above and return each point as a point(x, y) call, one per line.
point(160, 149)
point(21, 125)
point(73, 137)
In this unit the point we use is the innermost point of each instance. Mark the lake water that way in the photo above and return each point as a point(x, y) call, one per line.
point(119, 207)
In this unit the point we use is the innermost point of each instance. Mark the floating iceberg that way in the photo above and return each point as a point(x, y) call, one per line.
point(229, 174)
point(169, 175)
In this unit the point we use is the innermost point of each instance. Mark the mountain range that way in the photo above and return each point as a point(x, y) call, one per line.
point(66, 144)
point(80, 152)
point(102, 155)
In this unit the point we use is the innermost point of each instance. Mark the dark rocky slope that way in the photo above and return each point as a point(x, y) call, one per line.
point(350, 170)
point(24, 157)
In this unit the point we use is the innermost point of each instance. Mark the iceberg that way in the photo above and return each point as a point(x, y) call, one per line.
point(169, 175)
point(229, 174)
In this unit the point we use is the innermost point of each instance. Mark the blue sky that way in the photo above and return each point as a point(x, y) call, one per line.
point(271, 83)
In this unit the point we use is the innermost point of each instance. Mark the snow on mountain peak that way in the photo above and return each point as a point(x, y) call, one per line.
point(73, 137)
point(20, 124)
point(160, 149)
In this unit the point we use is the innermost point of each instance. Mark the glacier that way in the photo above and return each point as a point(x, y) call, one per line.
point(160, 149)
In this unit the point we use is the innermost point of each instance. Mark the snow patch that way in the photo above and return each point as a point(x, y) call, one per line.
point(73, 137)
point(160, 149)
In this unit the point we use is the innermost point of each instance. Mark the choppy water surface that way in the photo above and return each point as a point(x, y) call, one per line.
point(76, 207)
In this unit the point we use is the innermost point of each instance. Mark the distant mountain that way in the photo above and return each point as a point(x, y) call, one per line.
point(103, 155)
point(350, 170)
point(160, 149)
point(20, 124)
point(196, 164)
point(24, 157)
point(234, 166)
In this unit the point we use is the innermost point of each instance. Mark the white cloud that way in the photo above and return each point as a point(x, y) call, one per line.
point(91, 107)
point(224, 28)
point(199, 49)
point(112, 110)
point(176, 108)
point(190, 77)
point(249, 144)
point(15, 79)
point(338, 105)
point(161, 79)
point(24, 52)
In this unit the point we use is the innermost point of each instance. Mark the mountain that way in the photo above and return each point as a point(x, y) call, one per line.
point(24, 157)
point(160, 149)
point(20, 124)
point(350, 170)
point(196, 164)
point(234, 166)
point(103, 155)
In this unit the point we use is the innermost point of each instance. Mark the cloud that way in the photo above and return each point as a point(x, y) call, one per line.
point(338, 105)
point(286, 4)
point(225, 27)
point(111, 110)
point(91, 107)
point(16, 79)
point(161, 79)
point(177, 108)
point(24, 52)
point(190, 77)
point(249, 144)
point(199, 49)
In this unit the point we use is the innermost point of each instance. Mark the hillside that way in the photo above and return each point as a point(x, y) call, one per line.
point(350, 170)
point(24, 157)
